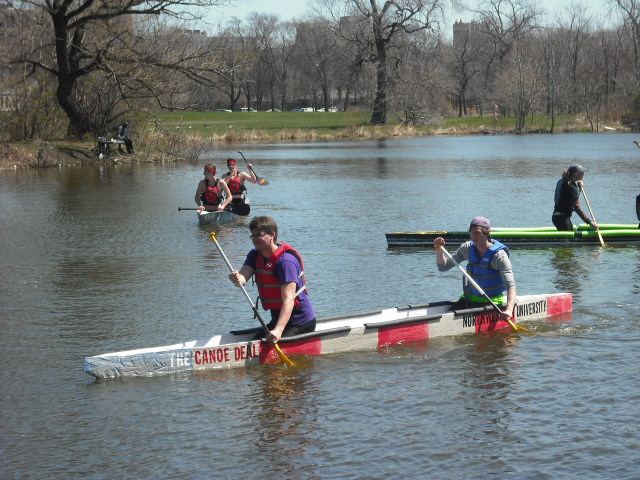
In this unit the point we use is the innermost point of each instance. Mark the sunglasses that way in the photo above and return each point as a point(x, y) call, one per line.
point(257, 235)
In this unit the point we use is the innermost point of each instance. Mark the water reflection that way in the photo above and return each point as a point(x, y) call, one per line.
point(381, 166)
point(489, 382)
point(570, 266)
point(286, 413)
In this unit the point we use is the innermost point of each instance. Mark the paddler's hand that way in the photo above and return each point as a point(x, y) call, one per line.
point(594, 225)
point(506, 314)
point(219, 208)
point(201, 208)
point(249, 165)
point(438, 242)
point(274, 335)
point(236, 278)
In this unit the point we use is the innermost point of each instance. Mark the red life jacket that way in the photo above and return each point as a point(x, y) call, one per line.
point(211, 195)
point(235, 185)
point(269, 286)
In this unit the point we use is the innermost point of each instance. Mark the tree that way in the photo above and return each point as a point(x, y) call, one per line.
point(631, 13)
point(317, 53)
point(379, 25)
point(465, 60)
point(574, 38)
point(551, 66)
point(84, 37)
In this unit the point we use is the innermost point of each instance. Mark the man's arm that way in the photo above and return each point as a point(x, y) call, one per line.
point(288, 291)
point(502, 262)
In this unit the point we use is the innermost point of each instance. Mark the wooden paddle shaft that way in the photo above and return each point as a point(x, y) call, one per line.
point(593, 217)
point(244, 290)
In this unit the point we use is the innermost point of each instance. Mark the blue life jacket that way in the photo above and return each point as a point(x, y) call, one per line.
point(488, 278)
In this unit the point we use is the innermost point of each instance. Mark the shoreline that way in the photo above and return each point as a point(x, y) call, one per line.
point(68, 153)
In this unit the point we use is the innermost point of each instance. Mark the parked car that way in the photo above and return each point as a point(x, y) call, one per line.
point(222, 110)
point(273, 110)
point(245, 109)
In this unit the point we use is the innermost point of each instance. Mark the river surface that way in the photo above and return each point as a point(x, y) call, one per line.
point(99, 259)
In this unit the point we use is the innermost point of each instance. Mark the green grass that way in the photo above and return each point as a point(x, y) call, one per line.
point(257, 126)
point(219, 123)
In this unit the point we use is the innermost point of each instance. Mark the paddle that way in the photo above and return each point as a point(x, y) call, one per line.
point(241, 209)
point(473, 282)
point(591, 212)
point(281, 354)
point(259, 180)
point(637, 143)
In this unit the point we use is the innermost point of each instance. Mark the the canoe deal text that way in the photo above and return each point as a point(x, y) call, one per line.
point(226, 354)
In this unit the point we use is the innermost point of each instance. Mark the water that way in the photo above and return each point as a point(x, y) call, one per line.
point(95, 260)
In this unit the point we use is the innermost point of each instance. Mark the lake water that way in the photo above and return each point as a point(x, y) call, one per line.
point(99, 259)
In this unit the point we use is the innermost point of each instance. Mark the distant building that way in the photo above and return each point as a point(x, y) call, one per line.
point(470, 32)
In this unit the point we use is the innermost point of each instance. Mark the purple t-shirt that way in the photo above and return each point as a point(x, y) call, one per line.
point(288, 270)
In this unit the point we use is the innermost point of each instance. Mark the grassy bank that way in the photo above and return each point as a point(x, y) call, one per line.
point(247, 126)
point(182, 136)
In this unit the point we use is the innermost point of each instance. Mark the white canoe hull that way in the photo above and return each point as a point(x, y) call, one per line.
point(225, 216)
point(214, 218)
point(359, 332)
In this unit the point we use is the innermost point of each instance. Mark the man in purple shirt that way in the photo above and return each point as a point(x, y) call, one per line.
point(279, 274)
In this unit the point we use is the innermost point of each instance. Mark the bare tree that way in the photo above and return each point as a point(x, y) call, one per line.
point(507, 22)
point(284, 53)
point(521, 77)
point(575, 34)
point(317, 52)
point(88, 36)
point(264, 29)
point(466, 60)
point(551, 70)
point(631, 13)
point(382, 22)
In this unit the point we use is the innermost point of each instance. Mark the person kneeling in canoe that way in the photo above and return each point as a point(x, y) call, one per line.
point(209, 195)
point(489, 266)
point(566, 199)
point(235, 180)
point(279, 275)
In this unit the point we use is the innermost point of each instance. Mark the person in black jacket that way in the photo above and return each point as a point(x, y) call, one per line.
point(123, 135)
point(567, 199)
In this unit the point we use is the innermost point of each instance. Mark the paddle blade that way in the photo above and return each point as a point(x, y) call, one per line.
point(517, 327)
point(241, 209)
point(283, 357)
point(262, 181)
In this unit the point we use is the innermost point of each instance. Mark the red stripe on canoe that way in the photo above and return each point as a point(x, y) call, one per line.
point(269, 355)
point(559, 303)
point(403, 334)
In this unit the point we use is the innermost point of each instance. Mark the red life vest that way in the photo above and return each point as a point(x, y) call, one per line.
point(210, 196)
point(235, 185)
point(269, 286)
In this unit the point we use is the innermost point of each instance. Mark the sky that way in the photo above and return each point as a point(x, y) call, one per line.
point(290, 9)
